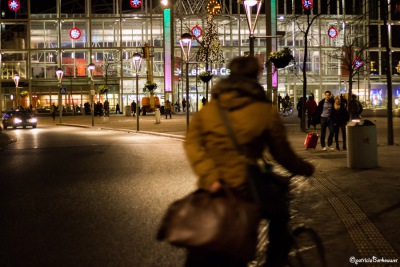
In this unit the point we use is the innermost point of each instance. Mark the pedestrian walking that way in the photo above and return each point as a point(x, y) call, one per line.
point(340, 117)
point(184, 105)
point(117, 110)
point(107, 108)
point(177, 107)
point(133, 108)
point(299, 107)
point(324, 108)
point(167, 109)
point(53, 111)
point(343, 101)
point(204, 101)
point(355, 108)
point(214, 157)
point(279, 101)
point(311, 108)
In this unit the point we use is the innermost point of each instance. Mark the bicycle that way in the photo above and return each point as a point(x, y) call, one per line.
point(306, 248)
point(285, 112)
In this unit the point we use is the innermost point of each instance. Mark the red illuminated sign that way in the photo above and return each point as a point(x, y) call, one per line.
point(135, 3)
point(13, 5)
point(307, 4)
point(357, 63)
point(197, 31)
point(75, 33)
point(332, 32)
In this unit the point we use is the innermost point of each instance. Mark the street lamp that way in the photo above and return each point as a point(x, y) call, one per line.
point(91, 70)
point(248, 7)
point(137, 61)
point(186, 43)
point(60, 73)
point(16, 81)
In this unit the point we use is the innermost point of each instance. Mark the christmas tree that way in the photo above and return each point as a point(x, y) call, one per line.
point(210, 50)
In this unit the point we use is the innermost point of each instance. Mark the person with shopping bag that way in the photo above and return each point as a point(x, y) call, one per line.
point(219, 163)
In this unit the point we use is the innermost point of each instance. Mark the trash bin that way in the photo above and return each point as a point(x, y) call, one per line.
point(127, 111)
point(362, 152)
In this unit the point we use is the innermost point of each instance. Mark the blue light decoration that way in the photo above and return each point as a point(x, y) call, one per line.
point(135, 3)
point(13, 5)
point(307, 4)
point(357, 63)
point(197, 31)
point(75, 33)
point(332, 32)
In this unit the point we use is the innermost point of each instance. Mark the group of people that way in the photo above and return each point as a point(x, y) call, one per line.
point(332, 113)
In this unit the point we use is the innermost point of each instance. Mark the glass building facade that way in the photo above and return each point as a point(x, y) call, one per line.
point(38, 38)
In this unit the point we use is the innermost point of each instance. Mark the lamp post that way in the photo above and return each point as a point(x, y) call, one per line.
point(248, 7)
point(60, 73)
point(16, 81)
point(137, 61)
point(186, 43)
point(91, 70)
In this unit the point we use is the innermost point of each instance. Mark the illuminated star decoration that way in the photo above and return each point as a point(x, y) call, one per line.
point(332, 32)
point(135, 3)
point(357, 63)
point(307, 4)
point(75, 33)
point(13, 5)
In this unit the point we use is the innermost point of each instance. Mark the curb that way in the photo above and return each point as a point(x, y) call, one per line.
point(174, 136)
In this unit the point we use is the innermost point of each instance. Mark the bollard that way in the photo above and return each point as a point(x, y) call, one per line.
point(157, 115)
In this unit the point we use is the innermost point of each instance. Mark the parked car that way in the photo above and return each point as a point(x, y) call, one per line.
point(44, 109)
point(19, 118)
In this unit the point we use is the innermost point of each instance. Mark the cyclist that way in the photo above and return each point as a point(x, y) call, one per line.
point(257, 126)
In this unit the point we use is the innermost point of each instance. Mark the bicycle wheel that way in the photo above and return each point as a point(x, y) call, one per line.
point(290, 111)
point(307, 249)
point(262, 245)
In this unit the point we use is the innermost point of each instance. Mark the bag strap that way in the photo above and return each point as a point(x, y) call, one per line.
point(228, 127)
point(232, 136)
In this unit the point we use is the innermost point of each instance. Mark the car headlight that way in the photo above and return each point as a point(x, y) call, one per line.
point(17, 120)
point(33, 120)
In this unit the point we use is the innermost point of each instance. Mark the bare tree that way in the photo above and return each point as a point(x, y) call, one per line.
point(305, 29)
point(351, 54)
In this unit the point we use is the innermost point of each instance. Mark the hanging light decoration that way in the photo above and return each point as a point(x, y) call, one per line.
point(197, 31)
point(357, 63)
point(135, 3)
point(75, 33)
point(332, 32)
point(307, 4)
point(14, 5)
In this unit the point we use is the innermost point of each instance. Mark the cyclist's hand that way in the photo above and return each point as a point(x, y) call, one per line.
point(215, 186)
